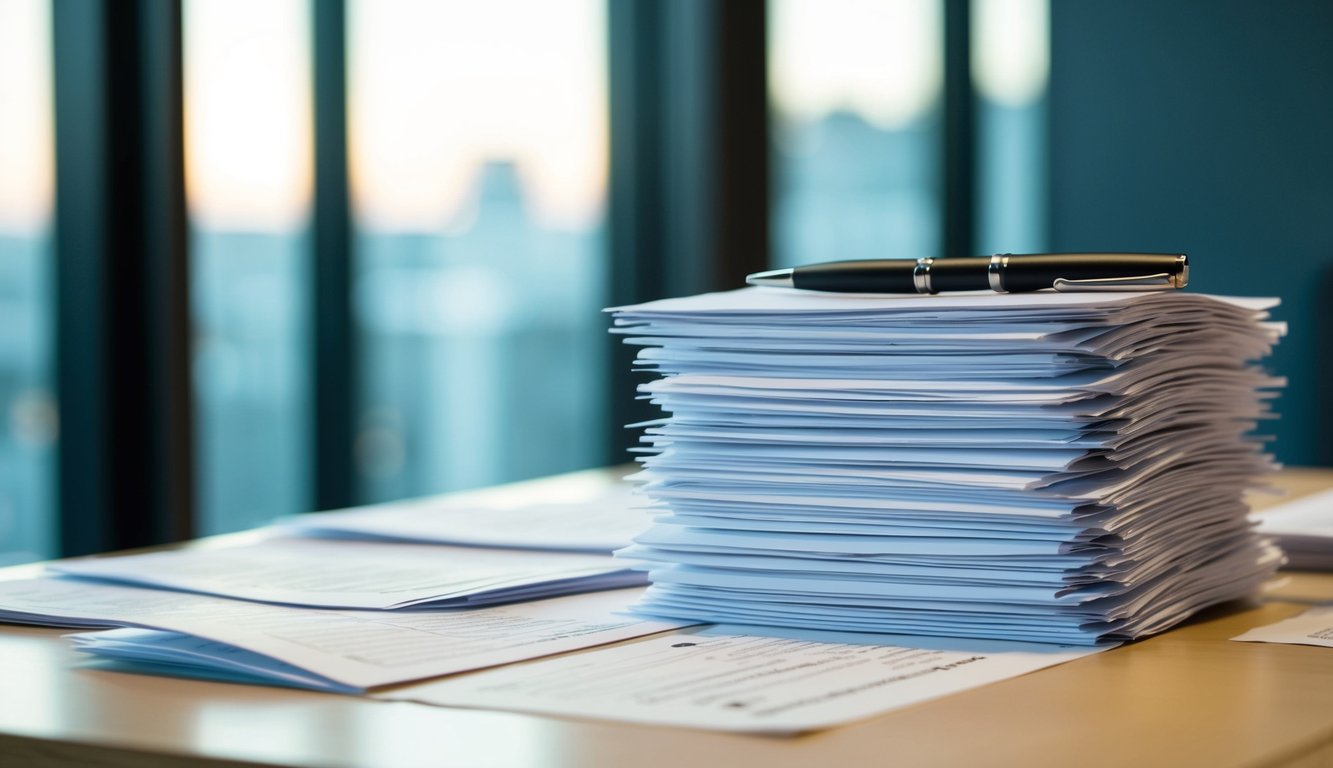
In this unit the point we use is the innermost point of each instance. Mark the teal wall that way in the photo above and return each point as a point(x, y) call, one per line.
point(1207, 127)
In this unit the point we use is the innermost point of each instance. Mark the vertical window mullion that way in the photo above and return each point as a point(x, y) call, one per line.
point(689, 160)
point(743, 144)
point(334, 370)
point(125, 469)
point(959, 161)
point(637, 259)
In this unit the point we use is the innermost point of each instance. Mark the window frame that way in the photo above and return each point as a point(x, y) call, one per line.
point(688, 211)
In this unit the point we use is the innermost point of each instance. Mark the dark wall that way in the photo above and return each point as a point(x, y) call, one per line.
point(1207, 127)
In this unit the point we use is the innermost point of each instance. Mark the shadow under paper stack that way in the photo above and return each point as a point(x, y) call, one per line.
point(1064, 468)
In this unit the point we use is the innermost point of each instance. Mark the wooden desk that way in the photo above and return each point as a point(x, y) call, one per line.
point(1187, 697)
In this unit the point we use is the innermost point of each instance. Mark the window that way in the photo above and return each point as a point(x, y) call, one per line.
point(475, 161)
point(856, 91)
point(27, 404)
point(248, 181)
point(1010, 59)
point(478, 146)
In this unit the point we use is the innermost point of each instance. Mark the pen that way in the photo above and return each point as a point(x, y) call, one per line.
point(1002, 272)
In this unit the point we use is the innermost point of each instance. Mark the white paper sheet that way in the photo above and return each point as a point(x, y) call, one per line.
point(1314, 627)
point(723, 678)
point(361, 574)
point(592, 513)
point(355, 649)
point(1304, 528)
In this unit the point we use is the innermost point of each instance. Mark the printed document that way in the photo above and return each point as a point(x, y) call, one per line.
point(721, 678)
point(1314, 627)
point(336, 650)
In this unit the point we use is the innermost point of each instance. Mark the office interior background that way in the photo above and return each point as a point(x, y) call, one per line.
point(262, 257)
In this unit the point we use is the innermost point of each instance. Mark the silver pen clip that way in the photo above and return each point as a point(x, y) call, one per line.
point(1159, 282)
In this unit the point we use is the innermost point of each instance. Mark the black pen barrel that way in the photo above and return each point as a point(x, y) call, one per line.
point(1034, 272)
point(959, 273)
point(1015, 273)
point(868, 276)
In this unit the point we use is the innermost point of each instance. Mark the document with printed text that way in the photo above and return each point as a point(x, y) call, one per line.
point(1314, 627)
point(346, 651)
point(721, 678)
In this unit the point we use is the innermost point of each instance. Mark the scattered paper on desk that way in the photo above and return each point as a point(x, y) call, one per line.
point(721, 678)
point(1314, 627)
point(361, 574)
point(1304, 529)
point(591, 512)
point(333, 650)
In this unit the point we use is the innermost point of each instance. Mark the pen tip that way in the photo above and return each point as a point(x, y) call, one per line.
point(780, 278)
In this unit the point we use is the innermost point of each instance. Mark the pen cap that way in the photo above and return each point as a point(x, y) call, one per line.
point(1034, 272)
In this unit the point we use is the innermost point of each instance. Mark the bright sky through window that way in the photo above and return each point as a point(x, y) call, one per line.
point(878, 58)
point(439, 87)
point(1010, 49)
point(248, 148)
point(26, 165)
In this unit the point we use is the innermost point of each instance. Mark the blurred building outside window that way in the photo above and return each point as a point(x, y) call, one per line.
point(1010, 66)
point(478, 153)
point(248, 151)
point(855, 88)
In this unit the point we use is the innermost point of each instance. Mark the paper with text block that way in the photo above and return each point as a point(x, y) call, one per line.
point(353, 649)
point(723, 678)
point(1314, 627)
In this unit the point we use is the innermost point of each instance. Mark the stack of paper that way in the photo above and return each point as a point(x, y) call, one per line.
point(1063, 468)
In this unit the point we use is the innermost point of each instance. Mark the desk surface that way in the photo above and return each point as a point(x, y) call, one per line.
point(1187, 697)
